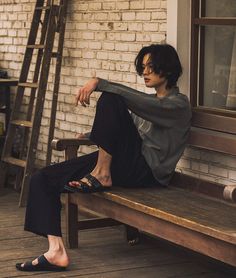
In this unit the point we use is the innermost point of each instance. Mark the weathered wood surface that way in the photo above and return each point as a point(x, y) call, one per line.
point(188, 209)
point(101, 253)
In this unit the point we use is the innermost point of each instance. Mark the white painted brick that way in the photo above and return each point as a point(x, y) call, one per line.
point(194, 166)
point(158, 38)
point(95, 45)
point(114, 16)
point(122, 67)
point(143, 37)
point(134, 47)
point(189, 173)
point(204, 167)
point(120, 5)
point(129, 37)
point(88, 54)
point(159, 15)
point(108, 45)
point(208, 177)
point(162, 27)
point(95, 6)
point(3, 32)
point(131, 78)
point(12, 33)
point(121, 46)
point(128, 57)
point(114, 56)
point(152, 4)
point(151, 27)
point(12, 16)
point(113, 36)
point(115, 76)
point(144, 16)
point(81, 26)
point(218, 171)
point(17, 8)
point(102, 55)
point(135, 26)
point(100, 36)
point(136, 5)
point(120, 26)
point(7, 24)
point(100, 16)
point(163, 4)
point(232, 174)
point(22, 16)
point(83, 7)
point(107, 65)
point(183, 163)
point(109, 5)
point(128, 16)
point(21, 33)
point(95, 64)
point(88, 35)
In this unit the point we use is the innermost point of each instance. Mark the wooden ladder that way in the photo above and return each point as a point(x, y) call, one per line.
point(47, 27)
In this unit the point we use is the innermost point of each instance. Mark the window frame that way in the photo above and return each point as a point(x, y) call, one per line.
point(215, 119)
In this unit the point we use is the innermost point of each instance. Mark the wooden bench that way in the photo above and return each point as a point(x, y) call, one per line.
point(193, 213)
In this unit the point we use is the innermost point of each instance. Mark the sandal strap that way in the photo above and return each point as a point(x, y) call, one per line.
point(84, 186)
point(95, 183)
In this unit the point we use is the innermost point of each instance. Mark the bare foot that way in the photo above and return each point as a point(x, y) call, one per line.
point(105, 180)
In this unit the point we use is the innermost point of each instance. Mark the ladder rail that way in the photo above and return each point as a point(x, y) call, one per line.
point(23, 77)
point(39, 104)
point(52, 18)
point(38, 63)
point(62, 25)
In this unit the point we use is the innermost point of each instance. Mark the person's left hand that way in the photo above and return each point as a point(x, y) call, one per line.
point(83, 94)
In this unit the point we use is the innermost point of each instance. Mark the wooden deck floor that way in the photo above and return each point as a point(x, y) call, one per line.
point(102, 253)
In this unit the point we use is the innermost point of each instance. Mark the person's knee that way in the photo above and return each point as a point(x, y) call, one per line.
point(108, 99)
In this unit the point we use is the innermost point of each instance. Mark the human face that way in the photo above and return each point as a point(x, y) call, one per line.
point(151, 79)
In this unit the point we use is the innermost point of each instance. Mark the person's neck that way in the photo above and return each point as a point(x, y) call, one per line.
point(162, 91)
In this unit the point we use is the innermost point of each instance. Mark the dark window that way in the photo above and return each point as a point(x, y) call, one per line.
point(213, 64)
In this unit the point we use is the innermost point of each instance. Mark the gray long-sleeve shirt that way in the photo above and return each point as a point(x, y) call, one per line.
point(163, 124)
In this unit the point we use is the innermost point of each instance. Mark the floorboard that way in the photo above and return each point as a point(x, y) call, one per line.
point(101, 253)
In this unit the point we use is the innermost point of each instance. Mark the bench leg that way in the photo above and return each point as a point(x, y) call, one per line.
point(71, 223)
point(132, 235)
point(3, 173)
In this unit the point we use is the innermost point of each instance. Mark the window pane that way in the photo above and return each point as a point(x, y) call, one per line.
point(219, 88)
point(220, 8)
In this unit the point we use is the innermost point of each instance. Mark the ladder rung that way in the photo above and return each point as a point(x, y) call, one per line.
point(36, 46)
point(15, 161)
point(43, 8)
point(28, 84)
point(21, 123)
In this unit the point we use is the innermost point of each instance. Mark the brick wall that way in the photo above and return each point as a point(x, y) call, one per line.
point(102, 39)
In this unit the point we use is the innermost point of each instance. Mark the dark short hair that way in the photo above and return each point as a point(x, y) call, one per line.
point(165, 61)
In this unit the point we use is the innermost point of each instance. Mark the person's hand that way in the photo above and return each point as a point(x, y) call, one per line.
point(83, 94)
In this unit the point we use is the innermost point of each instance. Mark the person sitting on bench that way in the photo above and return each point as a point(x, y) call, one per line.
point(140, 138)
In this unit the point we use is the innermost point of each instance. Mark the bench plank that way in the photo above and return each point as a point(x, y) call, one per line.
point(187, 209)
point(174, 232)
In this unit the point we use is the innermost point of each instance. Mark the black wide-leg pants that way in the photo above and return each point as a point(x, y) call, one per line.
point(114, 131)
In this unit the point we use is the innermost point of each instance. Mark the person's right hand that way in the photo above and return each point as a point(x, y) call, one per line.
point(83, 94)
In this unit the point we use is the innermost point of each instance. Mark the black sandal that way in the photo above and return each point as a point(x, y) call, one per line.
point(43, 265)
point(95, 186)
